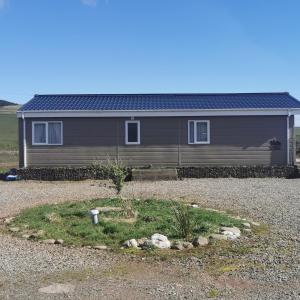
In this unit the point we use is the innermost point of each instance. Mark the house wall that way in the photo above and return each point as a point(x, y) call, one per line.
point(164, 142)
point(292, 139)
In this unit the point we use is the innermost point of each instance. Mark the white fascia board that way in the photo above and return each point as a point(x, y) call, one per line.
point(161, 113)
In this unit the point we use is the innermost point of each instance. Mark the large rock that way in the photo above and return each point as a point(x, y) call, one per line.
point(57, 288)
point(14, 229)
point(231, 232)
point(49, 241)
point(247, 225)
point(26, 236)
point(200, 241)
point(194, 205)
point(7, 221)
point(177, 245)
point(216, 236)
point(147, 244)
point(100, 247)
point(230, 235)
point(160, 241)
point(187, 245)
point(131, 244)
point(255, 224)
point(59, 242)
point(141, 241)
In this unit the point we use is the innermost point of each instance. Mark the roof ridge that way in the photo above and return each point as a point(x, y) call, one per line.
point(158, 94)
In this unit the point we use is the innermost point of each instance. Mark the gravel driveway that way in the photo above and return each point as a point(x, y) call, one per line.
point(269, 272)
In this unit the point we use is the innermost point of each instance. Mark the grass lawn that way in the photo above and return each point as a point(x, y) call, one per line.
point(71, 222)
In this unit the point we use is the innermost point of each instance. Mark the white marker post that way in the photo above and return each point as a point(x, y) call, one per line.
point(94, 215)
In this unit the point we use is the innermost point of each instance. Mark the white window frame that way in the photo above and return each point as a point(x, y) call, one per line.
point(138, 132)
point(195, 132)
point(46, 123)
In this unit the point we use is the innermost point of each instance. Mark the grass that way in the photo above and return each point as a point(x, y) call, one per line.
point(8, 137)
point(71, 222)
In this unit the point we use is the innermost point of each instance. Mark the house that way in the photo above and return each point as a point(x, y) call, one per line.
point(158, 129)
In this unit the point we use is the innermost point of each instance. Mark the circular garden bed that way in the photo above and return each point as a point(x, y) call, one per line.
point(127, 223)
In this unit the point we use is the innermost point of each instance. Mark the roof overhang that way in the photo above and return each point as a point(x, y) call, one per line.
point(156, 113)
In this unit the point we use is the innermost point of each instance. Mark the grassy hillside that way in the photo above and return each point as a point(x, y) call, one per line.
point(6, 103)
point(8, 137)
point(8, 132)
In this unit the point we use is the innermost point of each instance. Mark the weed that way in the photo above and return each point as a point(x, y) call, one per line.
point(53, 217)
point(213, 293)
point(262, 229)
point(127, 208)
point(183, 221)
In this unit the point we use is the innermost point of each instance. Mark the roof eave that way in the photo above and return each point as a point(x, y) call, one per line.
point(155, 113)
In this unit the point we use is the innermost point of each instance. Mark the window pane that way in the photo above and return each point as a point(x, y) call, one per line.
point(132, 129)
point(54, 133)
point(191, 132)
point(39, 133)
point(201, 132)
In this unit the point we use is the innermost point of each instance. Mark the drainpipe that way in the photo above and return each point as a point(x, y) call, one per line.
point(288, 136)
point(24, 141)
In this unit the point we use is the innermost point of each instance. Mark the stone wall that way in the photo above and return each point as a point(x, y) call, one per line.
point(239, 172)
point(72, 174)
point(83, 173)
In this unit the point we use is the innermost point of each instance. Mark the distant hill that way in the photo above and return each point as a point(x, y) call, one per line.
point(6, 103)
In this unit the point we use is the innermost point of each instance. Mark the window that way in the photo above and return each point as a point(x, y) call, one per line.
point(47, 133)
point(132, 132)
point(199, 132)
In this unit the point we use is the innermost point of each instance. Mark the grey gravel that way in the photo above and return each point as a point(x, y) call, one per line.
point(269, 272)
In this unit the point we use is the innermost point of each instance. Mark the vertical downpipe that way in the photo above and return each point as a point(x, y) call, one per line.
point(24, 141)
point(117, 147)
point(288, 137)
point(179, 150)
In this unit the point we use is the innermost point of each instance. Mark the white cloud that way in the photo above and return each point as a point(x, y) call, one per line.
point(3, 3)
point(85, 2)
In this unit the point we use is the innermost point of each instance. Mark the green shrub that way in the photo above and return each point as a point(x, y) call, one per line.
point(113, 170)
point(117, 174)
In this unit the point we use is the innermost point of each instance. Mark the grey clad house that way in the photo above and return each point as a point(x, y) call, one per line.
point(158, 129)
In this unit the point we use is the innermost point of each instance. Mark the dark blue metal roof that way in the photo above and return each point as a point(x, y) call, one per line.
point(121, 102)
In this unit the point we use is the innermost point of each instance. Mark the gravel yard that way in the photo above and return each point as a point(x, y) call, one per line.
point(271, 272)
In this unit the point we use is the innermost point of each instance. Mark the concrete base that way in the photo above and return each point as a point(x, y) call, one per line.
point(154, 174)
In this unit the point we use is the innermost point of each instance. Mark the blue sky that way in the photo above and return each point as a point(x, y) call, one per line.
point(133, 46)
